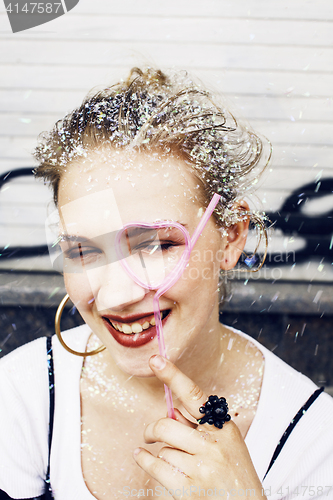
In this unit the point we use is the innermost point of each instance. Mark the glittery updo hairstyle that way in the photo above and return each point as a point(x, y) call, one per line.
point(172, 113)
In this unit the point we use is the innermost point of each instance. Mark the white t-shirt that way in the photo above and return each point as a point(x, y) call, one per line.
point(304, 466)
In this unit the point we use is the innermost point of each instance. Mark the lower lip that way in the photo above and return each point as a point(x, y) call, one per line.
point(135, 339)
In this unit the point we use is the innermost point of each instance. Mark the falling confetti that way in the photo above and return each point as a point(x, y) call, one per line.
point(318, 296)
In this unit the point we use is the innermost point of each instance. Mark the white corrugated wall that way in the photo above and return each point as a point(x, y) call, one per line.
point(272, 60)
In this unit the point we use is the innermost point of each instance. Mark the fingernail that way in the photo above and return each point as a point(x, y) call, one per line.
point(158, 362)
point(136, 451)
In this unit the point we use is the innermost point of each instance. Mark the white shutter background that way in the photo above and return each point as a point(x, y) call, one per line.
point(272, 60)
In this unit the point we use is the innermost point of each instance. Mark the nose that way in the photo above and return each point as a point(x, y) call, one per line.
point(113, 289)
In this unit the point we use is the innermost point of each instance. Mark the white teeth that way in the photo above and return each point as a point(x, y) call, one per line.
point(126, 328)
point(136, 328)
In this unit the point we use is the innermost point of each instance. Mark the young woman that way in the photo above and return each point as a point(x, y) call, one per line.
point(85, 417)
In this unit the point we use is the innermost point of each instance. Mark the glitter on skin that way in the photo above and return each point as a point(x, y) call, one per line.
point(243, 400)
point(106, 387)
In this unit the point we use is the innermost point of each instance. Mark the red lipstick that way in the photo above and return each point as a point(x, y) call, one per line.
point(132, 339)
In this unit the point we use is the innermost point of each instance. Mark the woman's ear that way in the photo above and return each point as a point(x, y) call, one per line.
point(236, 238)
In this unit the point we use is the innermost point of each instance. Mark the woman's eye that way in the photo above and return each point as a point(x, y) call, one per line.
point(152, 248)
point(168, 245)
point(83, 254)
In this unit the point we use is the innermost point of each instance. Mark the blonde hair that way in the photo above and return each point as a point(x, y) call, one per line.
point(153, 110)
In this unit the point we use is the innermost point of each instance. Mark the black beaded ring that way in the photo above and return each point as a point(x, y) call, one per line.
point(216, 412)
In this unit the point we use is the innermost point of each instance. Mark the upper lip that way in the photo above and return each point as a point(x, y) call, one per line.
point(130, 318)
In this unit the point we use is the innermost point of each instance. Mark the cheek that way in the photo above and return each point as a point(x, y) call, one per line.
point(204, 267)
point(198, 284)
point(79, 290)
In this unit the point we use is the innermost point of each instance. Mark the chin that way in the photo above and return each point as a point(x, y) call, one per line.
point(141, 370)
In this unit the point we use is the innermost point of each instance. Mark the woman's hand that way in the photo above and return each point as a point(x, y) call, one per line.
point(197, 457)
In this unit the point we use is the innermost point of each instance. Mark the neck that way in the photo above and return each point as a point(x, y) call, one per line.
point(201, 362)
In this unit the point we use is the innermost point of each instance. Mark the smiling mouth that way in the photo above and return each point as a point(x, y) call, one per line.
point(137, 326)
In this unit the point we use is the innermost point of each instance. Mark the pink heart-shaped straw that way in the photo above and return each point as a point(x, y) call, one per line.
point(171, 279)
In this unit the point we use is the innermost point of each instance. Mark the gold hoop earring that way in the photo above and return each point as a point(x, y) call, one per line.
point(58, 331)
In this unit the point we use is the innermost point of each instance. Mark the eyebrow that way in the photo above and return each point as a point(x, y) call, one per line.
point(72, 238)
point(182, 224)
point(83, 239)
point(168, 220)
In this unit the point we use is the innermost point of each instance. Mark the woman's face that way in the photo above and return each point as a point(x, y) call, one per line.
point(97, 196)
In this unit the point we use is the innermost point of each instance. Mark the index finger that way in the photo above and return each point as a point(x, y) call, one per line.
point(187, 391)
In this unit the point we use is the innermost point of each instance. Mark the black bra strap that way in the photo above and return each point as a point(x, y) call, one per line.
point(48, 490)
point(291, 426)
